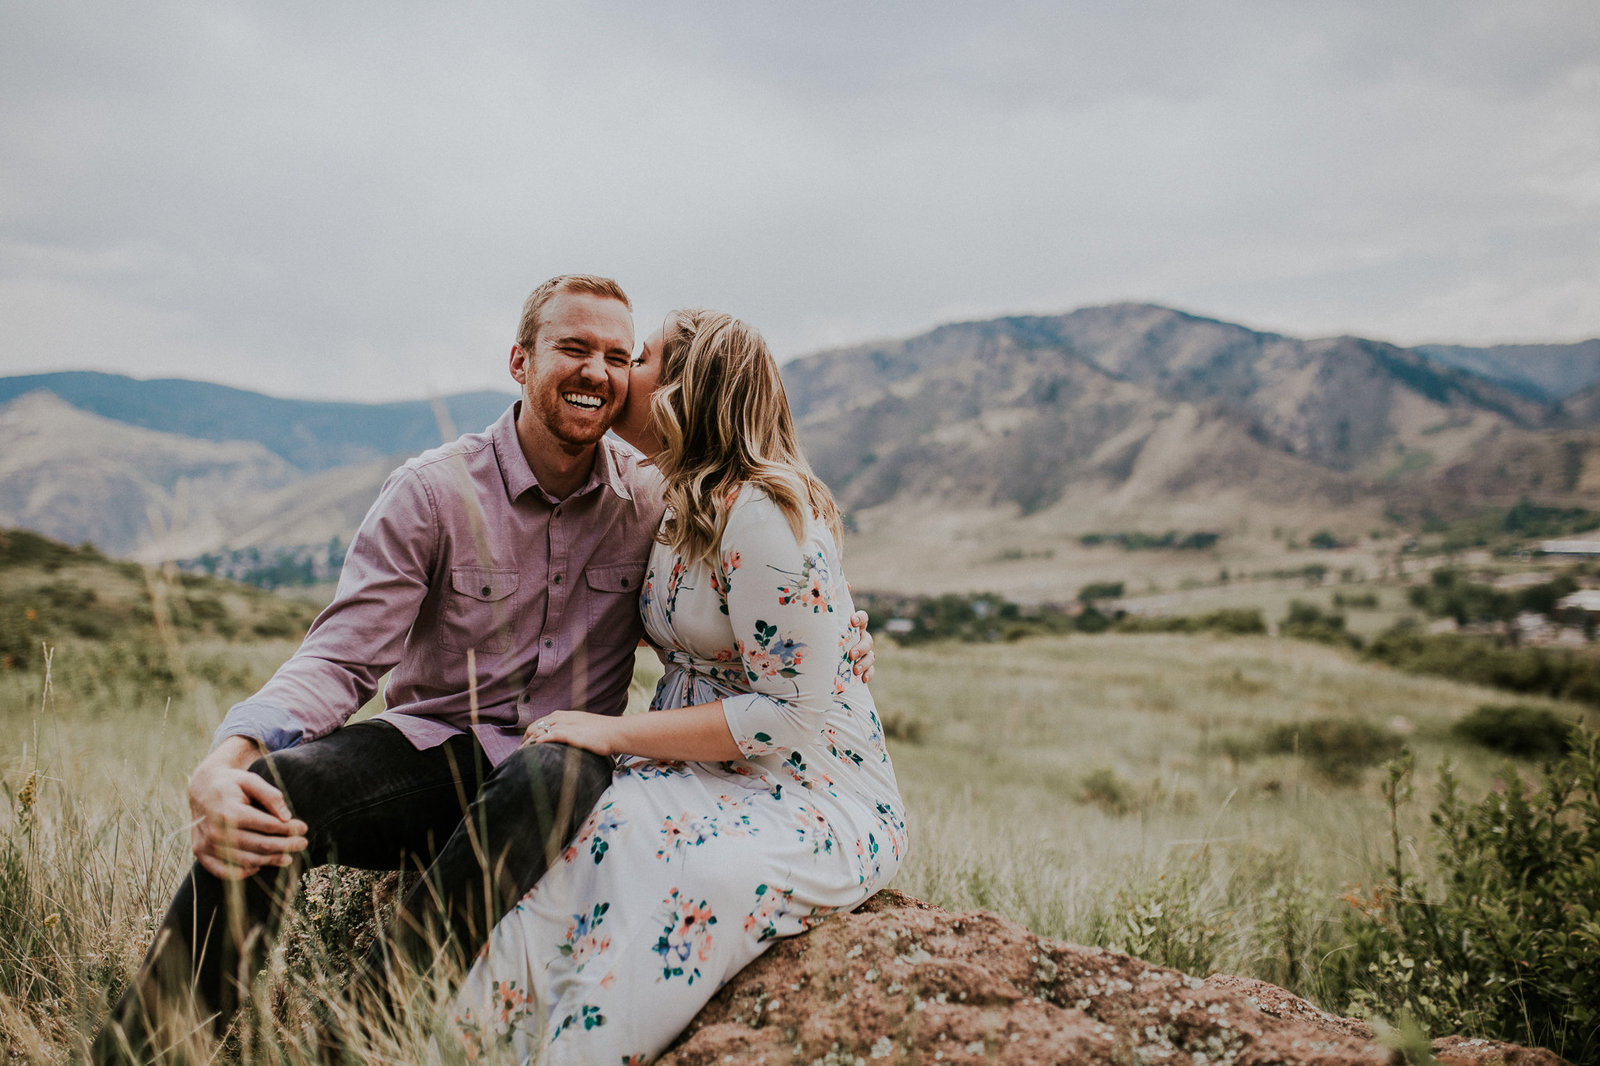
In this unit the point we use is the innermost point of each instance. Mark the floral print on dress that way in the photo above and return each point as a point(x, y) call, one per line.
point(685, 938)
point(584, 939)
point(511, 1008)
point(595, 835)
point(810, 587)
point(767, 657)
point(722, 578)
point(773, 906)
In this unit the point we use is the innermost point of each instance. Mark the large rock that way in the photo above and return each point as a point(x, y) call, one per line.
point(901, 981)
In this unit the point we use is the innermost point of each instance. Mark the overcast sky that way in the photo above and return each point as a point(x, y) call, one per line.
point(350, 200)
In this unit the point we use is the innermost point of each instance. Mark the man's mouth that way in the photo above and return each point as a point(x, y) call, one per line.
point(585, 400)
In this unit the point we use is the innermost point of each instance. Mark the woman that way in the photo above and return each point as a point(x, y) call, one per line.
point(758, 798)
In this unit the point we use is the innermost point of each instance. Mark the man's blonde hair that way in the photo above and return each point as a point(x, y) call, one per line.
point(533, 306)
point(724, 421)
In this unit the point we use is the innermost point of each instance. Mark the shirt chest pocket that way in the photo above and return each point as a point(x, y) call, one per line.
point(479, 610)
point(611, 603)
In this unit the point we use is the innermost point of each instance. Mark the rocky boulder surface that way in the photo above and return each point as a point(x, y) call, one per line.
point(902, 981)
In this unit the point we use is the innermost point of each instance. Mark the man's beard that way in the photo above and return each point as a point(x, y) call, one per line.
point(558, 417)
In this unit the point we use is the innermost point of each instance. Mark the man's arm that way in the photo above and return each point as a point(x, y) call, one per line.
point(242, 822)
point(361, 635)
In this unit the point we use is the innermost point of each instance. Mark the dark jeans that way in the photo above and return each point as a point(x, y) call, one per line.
point(483, 836)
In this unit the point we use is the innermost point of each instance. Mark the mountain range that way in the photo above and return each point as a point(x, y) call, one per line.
point(977, 454)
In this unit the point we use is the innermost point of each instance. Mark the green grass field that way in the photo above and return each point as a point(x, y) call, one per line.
point(1119, 790)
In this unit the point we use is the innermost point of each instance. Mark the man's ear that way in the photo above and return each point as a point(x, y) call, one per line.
point(519, 364)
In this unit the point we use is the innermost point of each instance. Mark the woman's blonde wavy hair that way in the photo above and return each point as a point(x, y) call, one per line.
point(724, 422)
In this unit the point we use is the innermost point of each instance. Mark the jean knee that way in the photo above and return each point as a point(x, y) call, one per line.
point(552, 777)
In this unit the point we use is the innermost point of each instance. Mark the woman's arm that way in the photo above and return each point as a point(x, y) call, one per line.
point(687, 734)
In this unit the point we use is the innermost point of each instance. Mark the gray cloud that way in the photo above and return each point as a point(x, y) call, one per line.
point(351, 200)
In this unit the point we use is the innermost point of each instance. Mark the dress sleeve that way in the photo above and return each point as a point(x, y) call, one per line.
point(360, 635)
point(782, 601)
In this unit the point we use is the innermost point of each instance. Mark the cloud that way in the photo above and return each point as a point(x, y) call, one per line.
point(351, 200)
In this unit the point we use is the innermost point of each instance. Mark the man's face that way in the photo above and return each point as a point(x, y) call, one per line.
point(575, 381)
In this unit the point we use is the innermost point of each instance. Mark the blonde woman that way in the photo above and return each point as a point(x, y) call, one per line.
point(757, 797)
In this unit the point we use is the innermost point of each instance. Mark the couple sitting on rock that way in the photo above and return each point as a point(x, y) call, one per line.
point(602, 875)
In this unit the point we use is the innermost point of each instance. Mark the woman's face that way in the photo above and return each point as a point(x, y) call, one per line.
point(634, 425)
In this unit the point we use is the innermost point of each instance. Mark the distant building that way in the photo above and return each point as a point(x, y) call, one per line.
point(1570, 547)
point(1585, 600)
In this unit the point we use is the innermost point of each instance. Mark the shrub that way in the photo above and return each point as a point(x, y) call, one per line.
point(1504, 945)
point(1166, 920)
point(1101, 590)
point(1337, 748)
point(1557, 672)
point(1242, 621)
point(1307, 621)
point(1229, 621)
point(1104, 788)
point(903, 727)
point(1516, 729)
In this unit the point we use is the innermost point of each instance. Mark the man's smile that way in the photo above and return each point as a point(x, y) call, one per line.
point(586, 400)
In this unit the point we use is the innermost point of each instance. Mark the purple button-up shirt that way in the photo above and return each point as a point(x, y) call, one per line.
point(493, 603)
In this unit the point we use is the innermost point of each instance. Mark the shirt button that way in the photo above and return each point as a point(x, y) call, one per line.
point(557, 579)
point(487, 590)
point(557, 513)
point(624, 582)
point(526, 697)
point(549, 643)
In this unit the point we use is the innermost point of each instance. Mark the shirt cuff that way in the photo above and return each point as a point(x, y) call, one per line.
point(268, 724)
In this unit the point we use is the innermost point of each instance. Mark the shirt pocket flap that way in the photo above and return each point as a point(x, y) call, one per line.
point(614, 577)
point(483, 584)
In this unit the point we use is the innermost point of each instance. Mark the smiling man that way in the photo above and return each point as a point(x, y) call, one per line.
point(498, 578)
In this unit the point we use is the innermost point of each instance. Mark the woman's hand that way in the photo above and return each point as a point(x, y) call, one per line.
point(862, 657)
point(580, 729)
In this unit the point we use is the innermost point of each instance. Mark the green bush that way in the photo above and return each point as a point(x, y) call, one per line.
point(1561, 673)
point(1504, 944)
point(1229, 621)
point(1337, 748)
point(1307, 621)
point(1517, 729)
point(1169, 920)
point(1103, 787)
point(1101, 590)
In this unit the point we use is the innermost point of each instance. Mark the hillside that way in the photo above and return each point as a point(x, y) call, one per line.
point(308, 434)
point(1548, 373)
point(98, 608)
point(976, 455)
point(981, 452)
point(80, 477)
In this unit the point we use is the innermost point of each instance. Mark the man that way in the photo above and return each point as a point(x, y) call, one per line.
point(498, 577)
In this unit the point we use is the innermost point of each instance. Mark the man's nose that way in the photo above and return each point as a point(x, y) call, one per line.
point(594, 370)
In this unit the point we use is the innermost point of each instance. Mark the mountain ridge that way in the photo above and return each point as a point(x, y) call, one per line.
point(953, 450)
point(309, 434)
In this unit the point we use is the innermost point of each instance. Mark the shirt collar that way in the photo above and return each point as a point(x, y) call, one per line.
point(519, 477)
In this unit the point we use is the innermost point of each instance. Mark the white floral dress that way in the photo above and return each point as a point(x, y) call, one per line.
point(685, 872)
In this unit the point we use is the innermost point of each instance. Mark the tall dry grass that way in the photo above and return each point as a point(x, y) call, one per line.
point(1107, 790)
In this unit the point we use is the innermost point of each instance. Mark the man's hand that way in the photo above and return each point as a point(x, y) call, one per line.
point(580, 729)
point(241, 823)
point(862, 658)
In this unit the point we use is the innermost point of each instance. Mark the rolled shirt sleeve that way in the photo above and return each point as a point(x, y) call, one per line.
point(782, 600)
point(361, 635)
